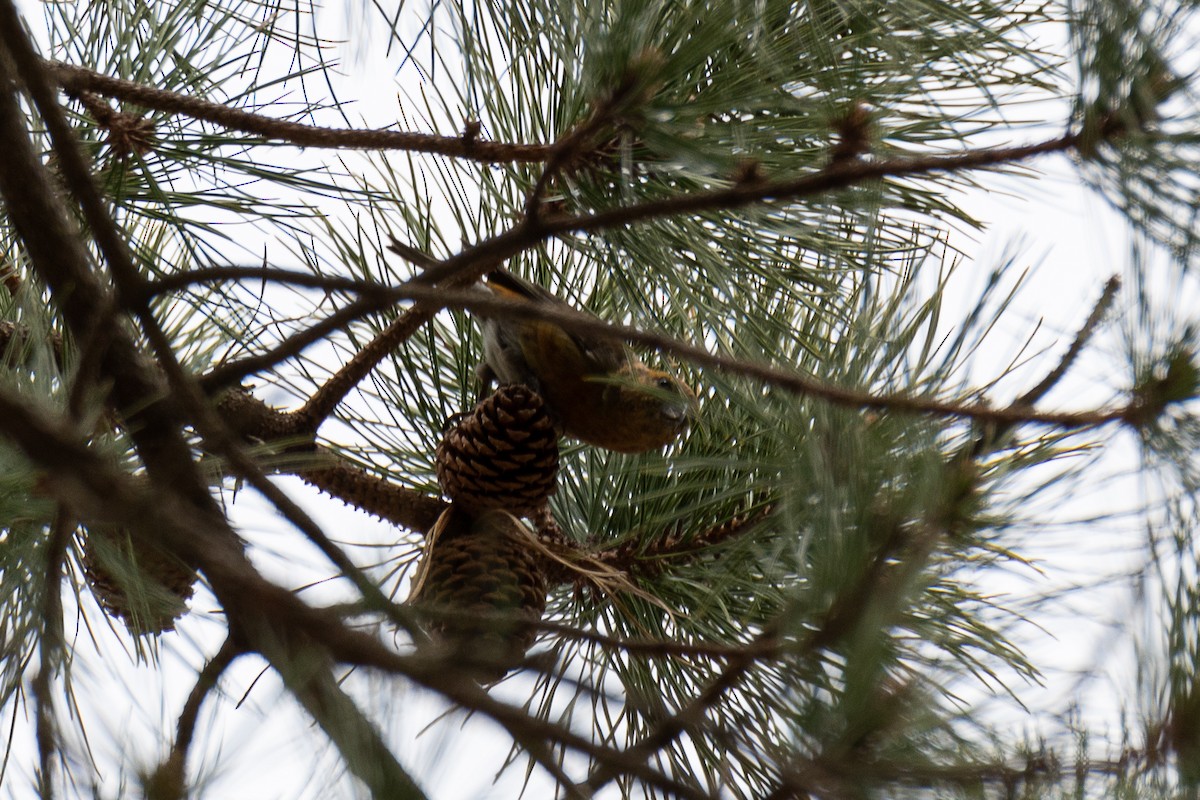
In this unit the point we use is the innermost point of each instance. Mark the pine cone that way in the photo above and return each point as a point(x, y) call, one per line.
point(483, 574)
point(147, 588)
point(504, 454)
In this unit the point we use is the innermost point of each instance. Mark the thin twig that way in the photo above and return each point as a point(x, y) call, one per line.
point(990, 436)
point(170, 777)
point(633, 556)
point(192, 277)
point(574, 145)
point(76, 80)
point(225, 375)
point(50, 648)
point(206, 681)
point(329, 395)
point(1111, 287)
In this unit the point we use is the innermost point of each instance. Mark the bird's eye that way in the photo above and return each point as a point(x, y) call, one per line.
point(666, 383)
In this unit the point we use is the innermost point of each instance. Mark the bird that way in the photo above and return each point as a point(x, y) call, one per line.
point(598, 390)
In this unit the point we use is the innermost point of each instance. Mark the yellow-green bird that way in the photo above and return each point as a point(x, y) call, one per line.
point(599, 391)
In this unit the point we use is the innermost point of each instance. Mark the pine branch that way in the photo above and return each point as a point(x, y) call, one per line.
point(269, 620)
point(578, 322)
point(57, 254)
point(78, 81)
point(254, 420)
point(900, 557)
point(471, 263)
point(159, 437)
point(837, 175)
point(264, 618)
point(329, 395)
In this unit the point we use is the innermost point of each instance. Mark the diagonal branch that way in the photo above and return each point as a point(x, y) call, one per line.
point(188, 400)
point(232, 372)
point(579, 322)
point(1082, 336)
point(56, 251)
point(838, 175)
point(298, 641)
point(987, 439)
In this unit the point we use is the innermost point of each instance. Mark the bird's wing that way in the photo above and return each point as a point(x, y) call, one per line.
point(602, 356)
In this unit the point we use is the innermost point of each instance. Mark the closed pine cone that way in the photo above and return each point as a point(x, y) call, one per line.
point(504, 454)
point(484, 574)
point(146, 587)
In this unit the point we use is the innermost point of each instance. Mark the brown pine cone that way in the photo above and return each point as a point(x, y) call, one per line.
point(488, 582)
point(504, 454)
point(147, 588)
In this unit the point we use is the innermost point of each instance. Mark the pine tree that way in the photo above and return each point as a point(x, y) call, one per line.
point(238, 278)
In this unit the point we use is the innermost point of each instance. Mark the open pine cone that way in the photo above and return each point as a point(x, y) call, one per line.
point(504, 454)
point(487, 579)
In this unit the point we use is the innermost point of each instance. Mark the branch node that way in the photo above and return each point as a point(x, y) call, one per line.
point(471, 131)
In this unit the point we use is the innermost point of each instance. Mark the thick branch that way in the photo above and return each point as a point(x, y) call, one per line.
point(579, 322)
point(194, 529)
